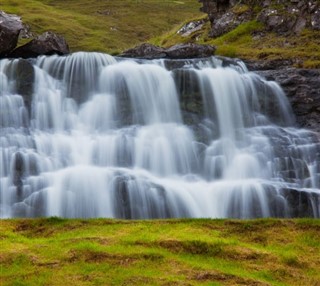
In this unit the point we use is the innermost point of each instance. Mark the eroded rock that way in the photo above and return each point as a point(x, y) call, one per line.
point(180, 51)
point(145, 51)
point(10, 27)
point(186, 51)
point(48, 43)
point(302, 87)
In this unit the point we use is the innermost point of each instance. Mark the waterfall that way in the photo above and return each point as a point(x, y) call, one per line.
point(91, 135)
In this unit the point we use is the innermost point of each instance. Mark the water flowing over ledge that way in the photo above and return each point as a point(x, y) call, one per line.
point(91, 135)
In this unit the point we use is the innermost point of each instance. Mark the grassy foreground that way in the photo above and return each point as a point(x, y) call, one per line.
point(57, 251)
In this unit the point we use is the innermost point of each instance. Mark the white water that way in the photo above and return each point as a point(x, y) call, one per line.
point(108, 138)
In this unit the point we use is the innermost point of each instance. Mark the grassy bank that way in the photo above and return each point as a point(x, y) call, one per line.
point(103, 25)
point(250, 41)
point(171, 252)
point(112, 26)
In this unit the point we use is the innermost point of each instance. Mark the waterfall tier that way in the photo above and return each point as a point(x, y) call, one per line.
point(90, 135)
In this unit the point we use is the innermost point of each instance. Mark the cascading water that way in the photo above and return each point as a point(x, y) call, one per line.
point(89, 135)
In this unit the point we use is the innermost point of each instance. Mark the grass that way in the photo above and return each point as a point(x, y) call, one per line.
point(106, 26)
point(58, 251)
point(112, 26)
point(250, 41)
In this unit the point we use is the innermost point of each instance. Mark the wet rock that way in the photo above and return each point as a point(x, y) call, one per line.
point(24, 81)
point(302, 86)
point(10, 27)
point(46, 44)
point(301, 204)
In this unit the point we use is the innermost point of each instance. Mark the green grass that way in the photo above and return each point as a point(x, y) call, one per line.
point(250, 41)
point(58, 251)
point(112, 26)
point(103, 25)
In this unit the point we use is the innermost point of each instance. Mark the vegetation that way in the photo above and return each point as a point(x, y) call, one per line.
point(113, 26)
point(107, 26)
point(250, 41)
point(58, 251)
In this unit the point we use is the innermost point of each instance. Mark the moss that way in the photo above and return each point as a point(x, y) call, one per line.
point(159, 252)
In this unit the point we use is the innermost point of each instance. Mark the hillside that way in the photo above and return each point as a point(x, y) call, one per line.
point(113, 26)
point(257, 30)
point(106, 26)
point(177, 252)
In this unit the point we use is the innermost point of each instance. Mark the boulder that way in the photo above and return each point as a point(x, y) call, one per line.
point(180, 51)
point(46, 44)
point(191, 28)
point(10, 27)
point(224, 24)
point(187, 51)
point(145, 51)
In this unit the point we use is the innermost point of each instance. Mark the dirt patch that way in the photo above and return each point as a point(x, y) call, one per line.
point(99, 257)
point(242, 254)
point(118, 259)
point(99, 240)
point(225, 278)
point(192, 246)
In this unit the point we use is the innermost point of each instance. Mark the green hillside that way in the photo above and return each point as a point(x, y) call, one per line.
point(103, 25)
point(170, 252)
point(112, 26)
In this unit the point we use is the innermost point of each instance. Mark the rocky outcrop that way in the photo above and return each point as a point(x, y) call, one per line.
point(282, 16)
point(145, 51)
point(48, 43)
point(181, 51)
point(10, 27)
point(302, 87)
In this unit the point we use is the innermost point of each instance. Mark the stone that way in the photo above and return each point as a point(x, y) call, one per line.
point(191, 27)
point(145, 51)
point(300, 25)
point(48, 43)
point(187, 51)
point(180, 51)
point(302, 87)
point(10, 27)
point(25, 77)
point(224, 24)
point(315, 20)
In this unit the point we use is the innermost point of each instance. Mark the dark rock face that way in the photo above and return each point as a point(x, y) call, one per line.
point(10, 27)
point(302, 86)
point(186, 51)
point(46, 44)
point(181, 51)
point(25, 80)
point(315, 19)
point(227, 22)
point(145, 51)
point(283, 17)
